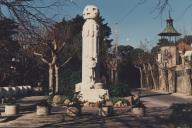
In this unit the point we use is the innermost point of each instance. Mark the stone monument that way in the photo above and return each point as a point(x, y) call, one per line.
point(90, 87)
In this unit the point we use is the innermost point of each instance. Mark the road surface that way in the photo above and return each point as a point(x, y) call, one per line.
point(163, 99)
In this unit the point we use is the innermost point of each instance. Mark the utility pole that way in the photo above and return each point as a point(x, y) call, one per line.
point(116, 40)
point(115, 59)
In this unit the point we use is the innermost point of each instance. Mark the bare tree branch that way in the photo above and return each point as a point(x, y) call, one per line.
point(42, 58)
point(28, 14)
point(38, 54)
point(61, 48)
point(65, 62)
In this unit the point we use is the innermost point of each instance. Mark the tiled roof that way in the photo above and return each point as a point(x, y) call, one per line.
point(169, 30)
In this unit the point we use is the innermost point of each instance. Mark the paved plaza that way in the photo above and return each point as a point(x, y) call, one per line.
point(157, 114)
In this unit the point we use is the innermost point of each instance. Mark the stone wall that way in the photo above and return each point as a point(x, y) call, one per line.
point(183, 81)
point(177, 80)
point(174, 71)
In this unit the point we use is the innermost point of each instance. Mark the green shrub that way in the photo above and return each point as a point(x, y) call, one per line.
point(68, 81)
point(10, 101)
point(119, 90)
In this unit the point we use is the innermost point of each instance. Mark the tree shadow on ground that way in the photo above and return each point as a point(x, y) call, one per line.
point(153, 119)
point(181, 115)
point(85, 120)
point(10, 118)
point(29, 108)
point(152, 95)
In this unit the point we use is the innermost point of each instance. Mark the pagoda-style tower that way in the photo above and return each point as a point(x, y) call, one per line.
point(168, 56)
point(168, 52)
point(169, 33)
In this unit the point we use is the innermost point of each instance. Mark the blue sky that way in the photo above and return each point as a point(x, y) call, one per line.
point(135, 23)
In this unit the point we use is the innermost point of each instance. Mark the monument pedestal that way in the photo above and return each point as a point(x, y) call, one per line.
point(90, 95)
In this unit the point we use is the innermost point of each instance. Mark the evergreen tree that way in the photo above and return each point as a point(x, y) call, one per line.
point(9, 48)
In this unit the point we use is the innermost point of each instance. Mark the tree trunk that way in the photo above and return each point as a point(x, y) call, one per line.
point(154, 82)
point(55, 71)
point(53, 67)
point(112, 75)
point(165, 85)
point(141, 77)
point(116, 77)
point(53, 78)
point(56, 79)
point(51, 82)
point(146, 75)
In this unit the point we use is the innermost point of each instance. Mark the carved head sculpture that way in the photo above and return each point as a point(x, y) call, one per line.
point(90, 12)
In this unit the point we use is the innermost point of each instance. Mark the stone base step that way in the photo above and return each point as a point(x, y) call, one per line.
point(93, 95)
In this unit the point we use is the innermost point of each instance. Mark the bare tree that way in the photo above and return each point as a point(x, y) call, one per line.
point(34, 26)
point(139, 60)
point(49, 53)
point(30, 14)
point(152, 75)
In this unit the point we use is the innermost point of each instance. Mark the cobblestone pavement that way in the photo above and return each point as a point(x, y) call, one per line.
point(156, 116)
